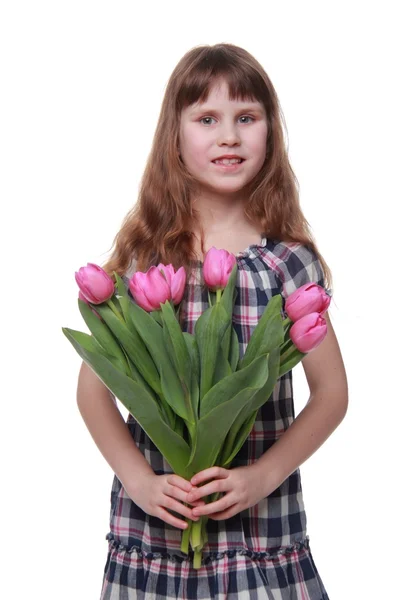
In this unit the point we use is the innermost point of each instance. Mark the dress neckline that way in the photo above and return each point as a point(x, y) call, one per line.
point(243, 253)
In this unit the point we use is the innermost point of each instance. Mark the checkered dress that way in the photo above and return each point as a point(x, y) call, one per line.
point(264, 551)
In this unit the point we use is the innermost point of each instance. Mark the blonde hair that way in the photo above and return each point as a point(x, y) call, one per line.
point(159, 227)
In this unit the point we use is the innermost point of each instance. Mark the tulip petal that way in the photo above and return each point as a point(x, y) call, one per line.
point(307, 299)
point(178, 285)
point(135, 286)
point(308, 332)
point(168, 272)
point(157, 289)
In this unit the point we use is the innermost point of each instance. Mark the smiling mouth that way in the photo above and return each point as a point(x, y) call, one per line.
point(227, 164)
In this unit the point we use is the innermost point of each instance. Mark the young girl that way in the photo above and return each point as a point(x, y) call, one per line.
point(219, 175)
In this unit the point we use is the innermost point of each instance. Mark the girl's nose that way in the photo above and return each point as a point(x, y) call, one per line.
point(228, 135)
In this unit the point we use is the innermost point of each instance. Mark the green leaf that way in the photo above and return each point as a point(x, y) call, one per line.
point(229, 294)
point(253, 376)
point(150, 332)
point(268, 333)
point(85, 340)
point(173, 392)
point(124, 299)
point(100, 330)
point(241, 437)
point(209, 329)
point(222, 369)
point(193, 350)
point(156, 315)
point(153, 337)
point(137, 376)
point(228, 299)
point(234, 350)
point(142, 406)
point(213, 428)
point(178, 347)
point(235, 438)
point(132, 343)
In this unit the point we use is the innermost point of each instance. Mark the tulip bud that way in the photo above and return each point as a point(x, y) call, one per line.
point(308, 332)
point(150, 289)
point(94, 283)
point(308, 298)
point(218, 265)
point(176, 281)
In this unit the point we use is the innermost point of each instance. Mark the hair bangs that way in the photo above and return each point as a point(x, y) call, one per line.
point(214, 65)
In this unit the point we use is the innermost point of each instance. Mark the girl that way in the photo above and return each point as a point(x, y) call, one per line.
point(219, 175)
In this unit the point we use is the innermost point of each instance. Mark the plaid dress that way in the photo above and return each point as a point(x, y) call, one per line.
point(261, 552)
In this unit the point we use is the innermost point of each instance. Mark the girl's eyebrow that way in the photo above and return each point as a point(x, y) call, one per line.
point(246, 108)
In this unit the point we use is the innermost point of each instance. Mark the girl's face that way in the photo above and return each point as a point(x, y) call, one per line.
point(222, 126)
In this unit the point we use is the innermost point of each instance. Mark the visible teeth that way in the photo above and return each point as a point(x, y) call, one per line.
point(228, 161)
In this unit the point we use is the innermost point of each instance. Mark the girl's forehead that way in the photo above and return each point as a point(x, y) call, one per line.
point(219, 90)
point(213, 102)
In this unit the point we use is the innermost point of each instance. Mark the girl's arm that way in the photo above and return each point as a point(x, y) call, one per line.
point(108, 429)
point(325, 410)
point(152, 493)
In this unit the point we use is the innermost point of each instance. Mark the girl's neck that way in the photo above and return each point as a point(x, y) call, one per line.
point(224, 224)
point(234, 238)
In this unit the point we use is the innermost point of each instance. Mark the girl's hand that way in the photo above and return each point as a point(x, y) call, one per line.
point(157, 493)
point(243, 486)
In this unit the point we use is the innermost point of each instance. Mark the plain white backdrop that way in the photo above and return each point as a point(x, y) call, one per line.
point(82, 84)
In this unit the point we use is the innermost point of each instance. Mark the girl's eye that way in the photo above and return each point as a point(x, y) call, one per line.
point(243, 117)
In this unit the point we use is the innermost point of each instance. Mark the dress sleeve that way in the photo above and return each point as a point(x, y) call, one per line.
point(299, 265)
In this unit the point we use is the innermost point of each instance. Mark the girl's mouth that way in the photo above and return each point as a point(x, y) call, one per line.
point(234, 166)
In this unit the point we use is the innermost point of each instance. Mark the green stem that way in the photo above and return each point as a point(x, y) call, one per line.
point(195, 535)
point(287, 354)
point(219, 294)
point(186, 537)
point(287, 344)
point(197, 558)
point(286, 323)
point(115, 311)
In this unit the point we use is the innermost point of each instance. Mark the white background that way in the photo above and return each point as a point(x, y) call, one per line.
point(82, 84)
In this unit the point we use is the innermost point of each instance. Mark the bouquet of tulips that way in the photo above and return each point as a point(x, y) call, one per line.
point(194, 396)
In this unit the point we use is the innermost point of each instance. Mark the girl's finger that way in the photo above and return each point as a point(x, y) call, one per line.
point(178, 507)
point(210, 473)
point(179, 482)
point(175, 492)
point(225, 514)
point(170, 519)
point(214, 507)
point(218, 485)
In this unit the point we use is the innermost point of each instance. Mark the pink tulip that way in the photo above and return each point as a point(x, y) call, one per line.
point(158, 285)
point(149, 289)
point(176, 281)
point(218, 265)
point(94, 283)
point(308, 332)
point(308, 298)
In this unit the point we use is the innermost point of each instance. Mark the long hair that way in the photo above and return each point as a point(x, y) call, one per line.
point(159, 226)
